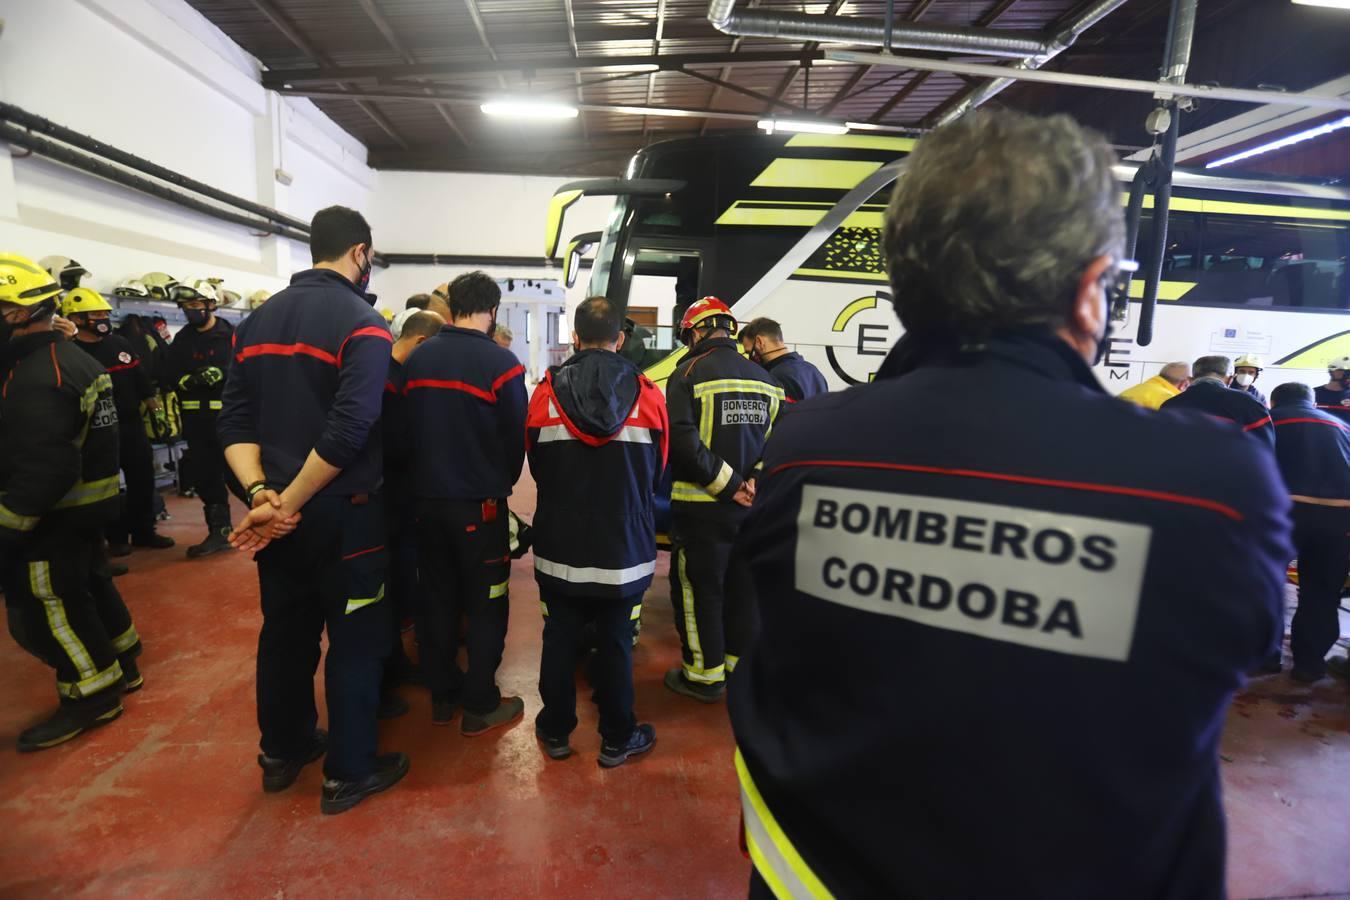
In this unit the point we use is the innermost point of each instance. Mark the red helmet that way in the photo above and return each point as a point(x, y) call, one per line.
point(710, 310)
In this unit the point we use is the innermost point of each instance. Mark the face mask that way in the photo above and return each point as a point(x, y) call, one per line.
point(1244, 379)
point(363, 277)
point(100, 327)
point(197, 317)
point(1104, 342)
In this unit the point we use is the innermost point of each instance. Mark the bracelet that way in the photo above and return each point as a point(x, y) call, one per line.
point(254, 489)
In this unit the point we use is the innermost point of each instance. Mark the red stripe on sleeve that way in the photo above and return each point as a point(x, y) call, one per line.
point(1255, 425)
point(441, 385)
point(131, 365)
point(368, 331)
point(286, 350)
point(1309, 421)
point(505, 377)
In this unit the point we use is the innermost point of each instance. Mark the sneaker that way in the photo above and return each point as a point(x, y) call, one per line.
point(62, 726)
point(555, 747)
point(1339, 666)
point(703, 693)
point(154, 541)
point(279, 774)
point(1306, 676)
point(507, 712)
point(119, 550)
point(391, 707)
point(340, 796)
point(639, 742)
point(443, 711)
point(132, 678)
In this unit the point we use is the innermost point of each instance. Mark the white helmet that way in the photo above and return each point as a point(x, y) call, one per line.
point(1248, 360)
point(132, 288)
point(160, 284)
point(64, 270)
point(1342, 363)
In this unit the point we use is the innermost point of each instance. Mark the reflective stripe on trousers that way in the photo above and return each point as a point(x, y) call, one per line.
point(775, 859)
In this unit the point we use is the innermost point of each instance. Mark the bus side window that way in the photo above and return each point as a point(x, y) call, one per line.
point(1179, 260)
point(1260, 261)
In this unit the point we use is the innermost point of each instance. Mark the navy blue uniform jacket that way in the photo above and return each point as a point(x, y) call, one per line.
point(1336, 403)
point(1225, 404)
point(598, 441)
point(1313, 448)
point(798, 377)
point(309, 372)
point(464, 399)
point(993, 587)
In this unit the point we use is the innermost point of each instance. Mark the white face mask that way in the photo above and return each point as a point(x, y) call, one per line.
point(1245, 379)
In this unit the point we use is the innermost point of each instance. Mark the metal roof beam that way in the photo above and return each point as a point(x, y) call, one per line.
point(746, 92)
point(383, 26)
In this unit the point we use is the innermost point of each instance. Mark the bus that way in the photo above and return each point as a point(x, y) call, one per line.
point(789, 227)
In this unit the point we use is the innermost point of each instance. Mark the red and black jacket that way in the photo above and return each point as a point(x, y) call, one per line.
point(130, 379)
point(598, 439)
point(464, 402)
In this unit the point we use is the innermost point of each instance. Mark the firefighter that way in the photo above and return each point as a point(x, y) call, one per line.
point(131, 387)
point(994, 586)
point(58, 462)
point(1212, 394)
point(598, 437)
point(301, 429)
point(722, 407)
point(1313, 449)
point(464, 399)
point(197, 362)
point(1334, 396)
point(763, 342)
point(1246, 370)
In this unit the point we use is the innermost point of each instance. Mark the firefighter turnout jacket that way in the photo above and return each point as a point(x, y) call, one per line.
point(191, 353)
point(996, 587)
point(798, 378)
point(327, 346)
point(464, 400)
point(1218, 401)
point(1313, 448)
point(722, 408)
point(130, 380)
point(598, 435)
point(58, 447)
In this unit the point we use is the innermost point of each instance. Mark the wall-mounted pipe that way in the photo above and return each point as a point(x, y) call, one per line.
point(32, 122)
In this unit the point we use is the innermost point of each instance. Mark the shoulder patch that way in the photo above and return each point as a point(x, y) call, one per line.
point(124, 357)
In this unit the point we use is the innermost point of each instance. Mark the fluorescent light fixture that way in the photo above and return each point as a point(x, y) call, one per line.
point(528, 109)
point(803, 126)
point(1332, 4)
point(1297, 137)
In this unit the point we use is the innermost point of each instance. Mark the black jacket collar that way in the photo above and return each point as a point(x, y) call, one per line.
point(465, 332)
point(1035, 348)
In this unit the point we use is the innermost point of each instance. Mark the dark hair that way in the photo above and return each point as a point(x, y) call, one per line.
point(762, 327)
point(1291, 392)
point(597, 321)
point(1212, 366)
point(473, 292)
point(418, 301)
point(421, 324)
point(334, 231)
point(994, 221)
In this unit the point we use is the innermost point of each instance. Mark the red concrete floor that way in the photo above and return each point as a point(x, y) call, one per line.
point(166, 802)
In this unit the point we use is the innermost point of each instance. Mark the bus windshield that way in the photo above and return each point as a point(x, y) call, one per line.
point(604, 256)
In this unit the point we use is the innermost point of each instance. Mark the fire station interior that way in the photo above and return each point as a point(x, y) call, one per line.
point(157, 150)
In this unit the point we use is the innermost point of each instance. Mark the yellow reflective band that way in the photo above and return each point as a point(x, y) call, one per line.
point(40, 583)
point(715, 675)
point(557, 207)
point(1231, 208)
point(355, 603)
point(705, 419)
point(841, 275)
point(718, 484)
point(88, 687)
point(776, 860)
point(216, 404)
point(740, 385)
point(803, 215)
point(15, 522)
point(543, 607)
point(192, 404)
point(731, 662)
point(688, 492)
point(826, 174)
point(126, 640)
point(86, 492)
point(1167, 290)
point(637, 613)
point(498, 590)
point(852, 142)
point(687, 602)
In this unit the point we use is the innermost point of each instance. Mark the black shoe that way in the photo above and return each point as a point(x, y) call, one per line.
point(279, 774)
point(119, 550)
point(703, 693)
point(443, 711)
point(340, 796)
point(215, 542)
point(64, 725)
point(507, 712)
point(639, 742)
point(131, 675)
point(117, 570)
point(391, 707)
point(555, 747)
point(1339, 666)
point(154, 541)
point(1306, 676)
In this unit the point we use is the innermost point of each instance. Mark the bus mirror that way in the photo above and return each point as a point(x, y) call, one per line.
point(576, 251)
point(569, 193)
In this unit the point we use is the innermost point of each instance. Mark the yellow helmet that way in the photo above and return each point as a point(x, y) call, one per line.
point(25, 283)
point(257, 298)
point(83, 300)
point(159, 284)
point(1247, 360)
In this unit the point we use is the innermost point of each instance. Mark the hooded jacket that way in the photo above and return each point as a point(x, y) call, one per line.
point(598, 439)
point(1313, 448)
point(798, 377)
point(1091, 580)
point(1218, 401)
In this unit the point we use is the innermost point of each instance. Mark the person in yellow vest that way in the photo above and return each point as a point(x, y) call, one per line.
point(1171, 380)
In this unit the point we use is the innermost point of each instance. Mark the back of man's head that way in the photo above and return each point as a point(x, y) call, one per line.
point(1291, 392)
point(418, 301)
point(762, 327)
point(1176, 372)
point(995, 220)
point(597, 322)
point(1212, 367)
point(422, 324)
point(472, 293)
point(334, 231)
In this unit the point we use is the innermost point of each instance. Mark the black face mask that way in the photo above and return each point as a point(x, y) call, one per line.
point(100, 327)
point(197, 317)
point(363, 279)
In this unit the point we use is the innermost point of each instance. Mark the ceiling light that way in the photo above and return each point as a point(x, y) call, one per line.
point(1333, 4)
point(528, 109)
point(1295, 138)
point(804, 126)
